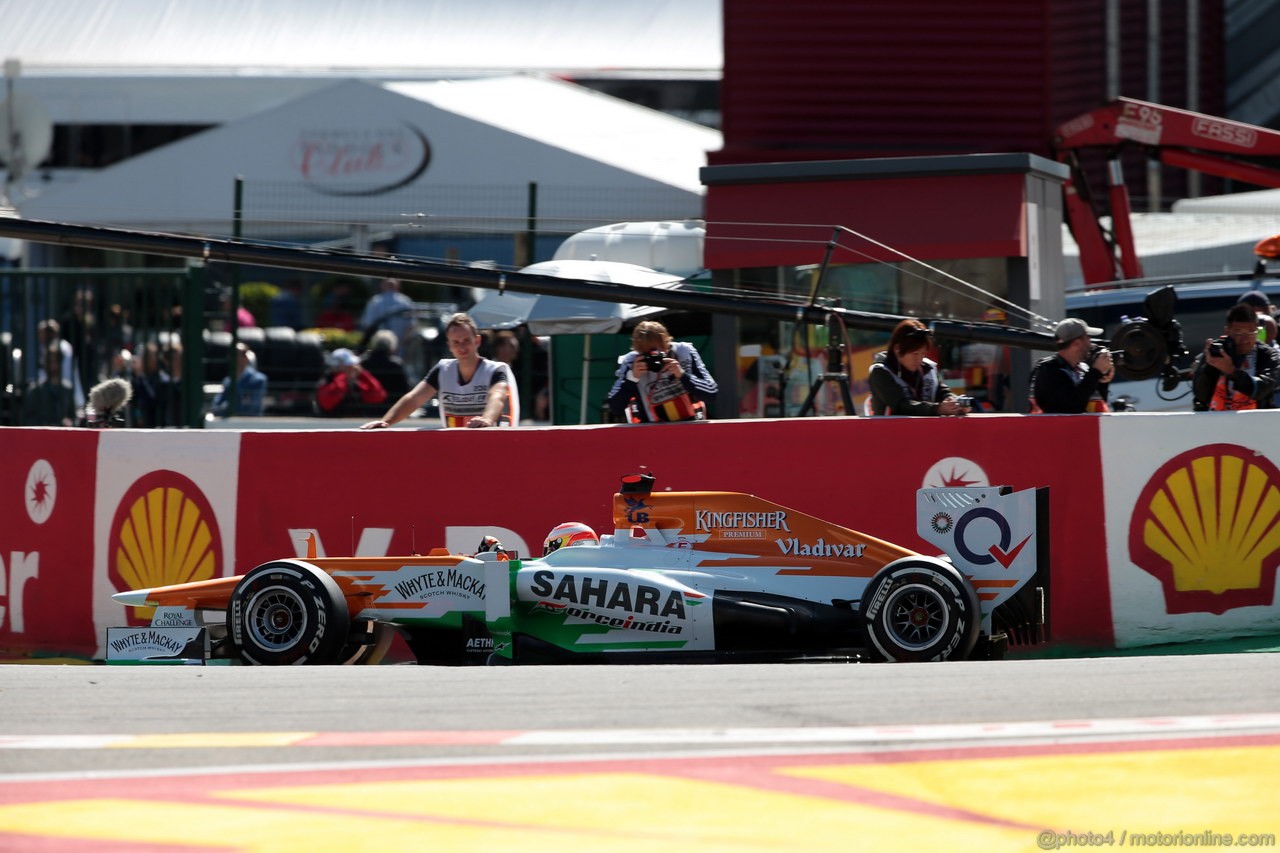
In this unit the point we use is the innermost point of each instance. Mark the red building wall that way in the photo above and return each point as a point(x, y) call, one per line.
point(820, 80)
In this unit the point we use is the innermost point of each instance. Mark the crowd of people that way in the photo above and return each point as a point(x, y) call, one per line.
point(658, 380)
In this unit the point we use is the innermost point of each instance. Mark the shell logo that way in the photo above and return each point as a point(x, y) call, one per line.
point(1207, 525)
point(164, 532)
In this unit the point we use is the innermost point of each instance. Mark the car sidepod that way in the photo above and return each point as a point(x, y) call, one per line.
point(596, 610)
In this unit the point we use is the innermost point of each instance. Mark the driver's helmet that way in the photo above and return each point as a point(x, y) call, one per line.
point(569, 533)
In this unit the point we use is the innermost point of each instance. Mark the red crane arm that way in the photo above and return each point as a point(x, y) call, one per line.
point(1203, 143)
point(1125, 120)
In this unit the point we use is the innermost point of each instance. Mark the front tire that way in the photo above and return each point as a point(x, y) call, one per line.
point(921, 610)
point(288, 613)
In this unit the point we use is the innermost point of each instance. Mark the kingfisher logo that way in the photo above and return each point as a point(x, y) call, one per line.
point(164, 532)
point(1207, 526)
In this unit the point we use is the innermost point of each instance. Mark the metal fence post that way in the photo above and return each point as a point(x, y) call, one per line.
point(233, 318)
point(193, 346)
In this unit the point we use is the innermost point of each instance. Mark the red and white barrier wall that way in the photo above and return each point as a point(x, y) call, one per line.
point(1165, 528)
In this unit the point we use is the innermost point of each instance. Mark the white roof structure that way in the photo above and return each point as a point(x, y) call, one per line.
point(360, 152)
point(466, 90)
point(1182, 243)
point(600, 128)
point(410, 37)
point(670, 247)
point(1255, 203)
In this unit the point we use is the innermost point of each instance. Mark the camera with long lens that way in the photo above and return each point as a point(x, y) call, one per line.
point(1146, 347)
point(653, 360)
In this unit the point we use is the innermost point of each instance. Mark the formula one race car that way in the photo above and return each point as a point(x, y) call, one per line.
point(684, 577)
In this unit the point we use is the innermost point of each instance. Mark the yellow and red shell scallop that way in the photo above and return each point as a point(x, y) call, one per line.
point(164, 532)
point(1207, 525)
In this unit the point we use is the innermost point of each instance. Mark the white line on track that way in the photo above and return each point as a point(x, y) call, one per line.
point(815, 741)
point(1052, 731)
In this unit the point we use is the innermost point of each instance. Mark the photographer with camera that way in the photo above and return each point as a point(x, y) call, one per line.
point(1234, 372)
point(660, 379)
point(904, 382)
point(1078, 378)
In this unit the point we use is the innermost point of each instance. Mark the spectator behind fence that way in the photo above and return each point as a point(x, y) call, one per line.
point(335, 311)
point(474, 392)
point(661, 379)
point(49, 333)
point(173, 398)
point(244, 317)
point(151, 390)
point(79, 330)
point(1235, 371)
point(904, 382)
point(1078, 378)
point(388, 309)
point(346, 387)
point(251, 387)
point(119, 331)
point(381, 360)
point(50, 401)
point(286, 306)
point(505, 347)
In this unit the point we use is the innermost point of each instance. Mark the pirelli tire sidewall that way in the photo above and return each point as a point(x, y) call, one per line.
point(939, 594)
point(288, 613)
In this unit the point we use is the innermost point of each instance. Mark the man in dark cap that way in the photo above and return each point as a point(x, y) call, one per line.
point(1077, 379)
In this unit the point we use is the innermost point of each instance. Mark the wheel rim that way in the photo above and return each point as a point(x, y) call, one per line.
point(277, 617)
point(917, 616)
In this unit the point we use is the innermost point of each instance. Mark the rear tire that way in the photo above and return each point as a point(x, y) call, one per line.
point(920, 610)
point(288, 613)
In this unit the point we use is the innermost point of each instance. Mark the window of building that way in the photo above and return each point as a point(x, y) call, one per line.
point(95, 146)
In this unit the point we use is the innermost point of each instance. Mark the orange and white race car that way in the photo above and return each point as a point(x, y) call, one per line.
point(684, 576)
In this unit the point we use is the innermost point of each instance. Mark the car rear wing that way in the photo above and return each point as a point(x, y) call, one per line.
point(998, 538)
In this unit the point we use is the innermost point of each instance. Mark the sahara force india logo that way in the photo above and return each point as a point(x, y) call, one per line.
point(637, 598)
point(1207, 526)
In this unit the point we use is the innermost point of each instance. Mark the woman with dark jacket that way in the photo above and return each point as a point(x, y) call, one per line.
point(904, 382)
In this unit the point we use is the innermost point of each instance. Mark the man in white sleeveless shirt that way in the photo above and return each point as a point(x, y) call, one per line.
point(474, 392)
